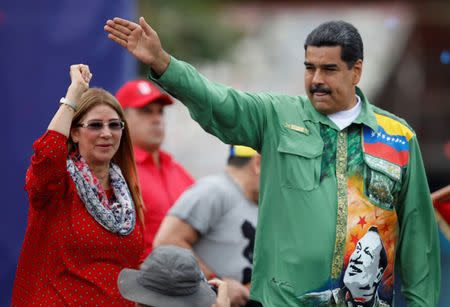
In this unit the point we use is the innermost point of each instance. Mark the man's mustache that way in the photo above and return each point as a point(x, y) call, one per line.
point(319, 89)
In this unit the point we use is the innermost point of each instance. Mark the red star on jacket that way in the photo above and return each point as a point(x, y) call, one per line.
point(362, 221)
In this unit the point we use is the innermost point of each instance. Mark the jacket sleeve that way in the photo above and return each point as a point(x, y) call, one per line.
point(418, 254)
point(233, 116)
point(47, 175)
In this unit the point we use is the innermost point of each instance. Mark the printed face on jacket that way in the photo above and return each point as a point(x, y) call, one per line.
point(366, 266)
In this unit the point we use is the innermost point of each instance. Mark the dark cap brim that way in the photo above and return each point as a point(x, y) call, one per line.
point(130, 289)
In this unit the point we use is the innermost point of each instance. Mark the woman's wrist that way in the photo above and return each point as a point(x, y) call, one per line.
point(74, 93)
point(66, 102)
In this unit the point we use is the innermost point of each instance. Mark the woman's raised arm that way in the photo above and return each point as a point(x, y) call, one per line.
point(80, 76)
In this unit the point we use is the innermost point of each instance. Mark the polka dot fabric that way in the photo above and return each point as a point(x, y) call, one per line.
point(67, 258)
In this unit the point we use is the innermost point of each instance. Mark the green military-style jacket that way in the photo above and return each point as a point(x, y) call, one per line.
point(337, 209)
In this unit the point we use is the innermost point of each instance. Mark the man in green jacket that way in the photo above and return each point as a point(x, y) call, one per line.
point(333, 166)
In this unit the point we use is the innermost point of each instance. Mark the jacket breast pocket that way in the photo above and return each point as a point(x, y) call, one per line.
point(300, 159)
point(382, 181)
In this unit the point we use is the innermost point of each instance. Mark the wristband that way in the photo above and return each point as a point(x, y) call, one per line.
point(63, 100)
point(214, 275)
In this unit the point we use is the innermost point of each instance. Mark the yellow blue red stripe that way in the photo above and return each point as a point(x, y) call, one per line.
point(390, 143)
point(393, 127)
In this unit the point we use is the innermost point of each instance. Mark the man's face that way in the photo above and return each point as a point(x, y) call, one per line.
point(329, 83)
point(363, 273)
point(147, 125)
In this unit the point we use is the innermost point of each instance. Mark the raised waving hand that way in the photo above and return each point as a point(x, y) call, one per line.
point(140, 40)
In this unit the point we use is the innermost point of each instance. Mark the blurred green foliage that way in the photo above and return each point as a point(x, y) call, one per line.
point(191, 30)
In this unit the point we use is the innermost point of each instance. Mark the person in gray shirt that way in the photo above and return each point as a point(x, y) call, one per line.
point(216, 218)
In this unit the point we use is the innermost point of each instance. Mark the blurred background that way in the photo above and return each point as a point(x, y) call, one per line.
point(250, 45)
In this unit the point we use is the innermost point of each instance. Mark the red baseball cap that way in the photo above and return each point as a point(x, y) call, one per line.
point(138, 93)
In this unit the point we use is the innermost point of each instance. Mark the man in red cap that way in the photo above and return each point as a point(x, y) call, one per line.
point(162, 179)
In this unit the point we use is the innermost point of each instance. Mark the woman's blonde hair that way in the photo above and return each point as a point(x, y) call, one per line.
point(124, 156)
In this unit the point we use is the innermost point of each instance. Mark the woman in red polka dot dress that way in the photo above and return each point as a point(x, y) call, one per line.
point(85, 216)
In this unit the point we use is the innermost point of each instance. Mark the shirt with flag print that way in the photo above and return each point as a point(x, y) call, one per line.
point(338, 209)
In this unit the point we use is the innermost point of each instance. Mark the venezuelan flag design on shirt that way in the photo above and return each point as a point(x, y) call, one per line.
point(390, 142)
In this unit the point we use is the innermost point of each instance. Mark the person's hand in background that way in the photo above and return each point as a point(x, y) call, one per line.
point(222, 293)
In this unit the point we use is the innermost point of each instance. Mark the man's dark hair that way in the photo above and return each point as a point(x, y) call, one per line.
point(383, 255)
point(338, 33)
point(238, 162)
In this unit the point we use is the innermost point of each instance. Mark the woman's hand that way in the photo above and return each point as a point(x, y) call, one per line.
point(80, 76)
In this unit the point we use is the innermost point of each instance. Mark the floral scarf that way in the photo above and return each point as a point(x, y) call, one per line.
point(117, 217)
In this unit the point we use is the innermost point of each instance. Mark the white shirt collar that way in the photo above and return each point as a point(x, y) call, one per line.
point(343, 119)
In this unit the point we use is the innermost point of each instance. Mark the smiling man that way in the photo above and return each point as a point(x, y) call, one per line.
point(333, 166)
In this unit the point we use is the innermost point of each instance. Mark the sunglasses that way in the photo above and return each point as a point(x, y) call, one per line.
point(98, 125)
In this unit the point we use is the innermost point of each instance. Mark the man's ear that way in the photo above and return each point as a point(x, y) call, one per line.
point(356, 72)
point(256, 164)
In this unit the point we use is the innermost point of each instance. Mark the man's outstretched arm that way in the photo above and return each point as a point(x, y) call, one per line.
point(233, 116)
point(140, 40)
